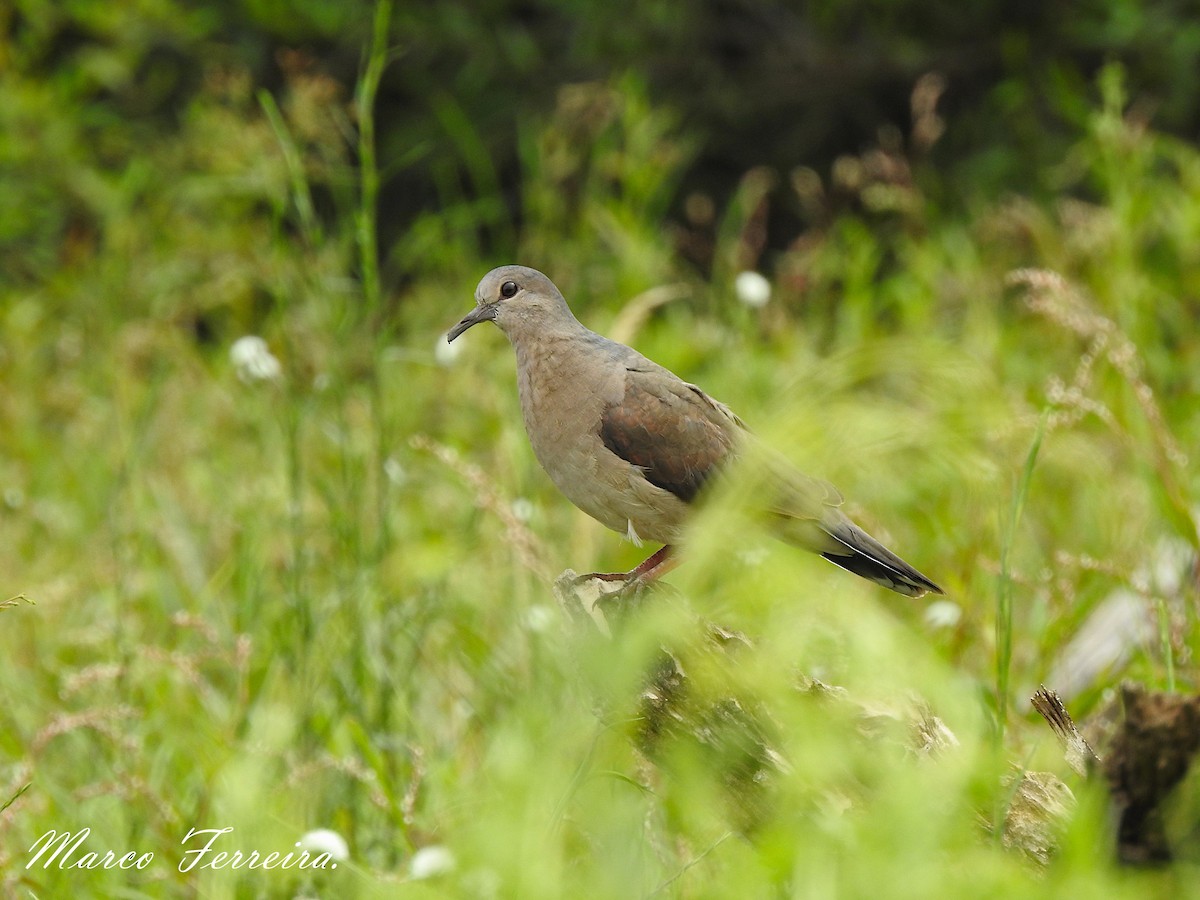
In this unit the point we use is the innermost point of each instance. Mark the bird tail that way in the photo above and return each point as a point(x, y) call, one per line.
point(858, 552)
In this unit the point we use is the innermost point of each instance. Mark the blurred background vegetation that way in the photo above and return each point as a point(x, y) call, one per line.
point(317, 595)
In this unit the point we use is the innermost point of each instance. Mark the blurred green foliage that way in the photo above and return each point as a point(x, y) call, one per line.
point(321, 599)
point(88, 87)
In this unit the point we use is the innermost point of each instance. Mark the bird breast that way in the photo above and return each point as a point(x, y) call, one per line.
point(564, 388)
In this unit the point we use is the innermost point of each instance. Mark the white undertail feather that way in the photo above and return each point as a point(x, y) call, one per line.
point(631, 535)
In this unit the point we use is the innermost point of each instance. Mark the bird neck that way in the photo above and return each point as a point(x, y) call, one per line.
point(528, 334)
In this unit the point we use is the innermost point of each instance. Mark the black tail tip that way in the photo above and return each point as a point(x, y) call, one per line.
point(909, 582)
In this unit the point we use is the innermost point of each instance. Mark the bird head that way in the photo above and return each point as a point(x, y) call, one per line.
point(514, 297)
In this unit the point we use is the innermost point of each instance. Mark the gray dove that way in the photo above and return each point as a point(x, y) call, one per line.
point(634, 446)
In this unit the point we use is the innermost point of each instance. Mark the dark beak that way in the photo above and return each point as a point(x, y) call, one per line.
point(483, 313)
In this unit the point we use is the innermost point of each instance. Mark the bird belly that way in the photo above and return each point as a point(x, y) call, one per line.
point(565, 439)
point(616, 494)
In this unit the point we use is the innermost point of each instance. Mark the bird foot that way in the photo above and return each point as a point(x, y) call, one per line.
point(634, 586)
point(625, 599)
point(613, 595)
point(595, 603)
point(649, 570)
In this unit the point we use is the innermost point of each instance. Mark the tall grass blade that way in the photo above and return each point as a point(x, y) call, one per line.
point(1004, 590)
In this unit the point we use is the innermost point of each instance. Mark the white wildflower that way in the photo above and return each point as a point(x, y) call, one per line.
point(430, 861)
point(943, 614)
point(1170, 562)
point(394, 471)
point(522, 509)
point(752, 289)
point(253, 361)
point(445, 353)
point(539, 618)
point(324, 840)
point(753, 556)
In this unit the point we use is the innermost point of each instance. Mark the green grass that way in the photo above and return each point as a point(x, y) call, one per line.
point(324, 601)
point(1004, 588)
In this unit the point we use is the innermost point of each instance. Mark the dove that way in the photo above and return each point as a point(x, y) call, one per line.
point(634, 446)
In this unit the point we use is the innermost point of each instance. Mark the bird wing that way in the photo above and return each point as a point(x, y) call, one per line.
point(679, 437)
point(808, 514)
point(674, 432)
point(795, 495)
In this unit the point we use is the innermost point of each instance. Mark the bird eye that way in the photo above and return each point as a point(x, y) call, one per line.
point(508, 289)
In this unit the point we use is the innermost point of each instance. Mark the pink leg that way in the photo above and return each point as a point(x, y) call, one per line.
point(653, 567)
point(656, 565)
